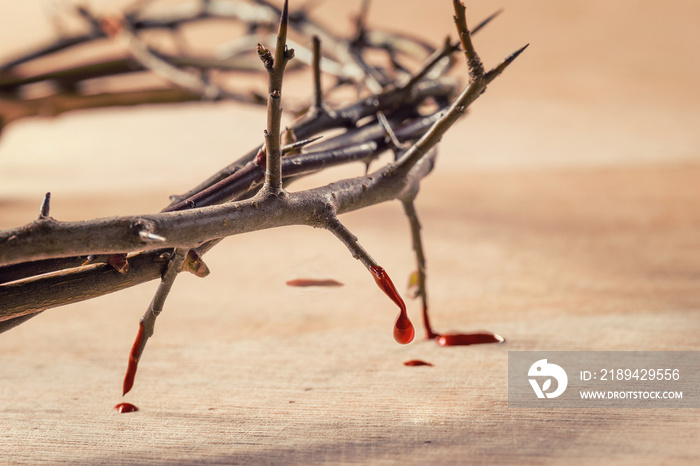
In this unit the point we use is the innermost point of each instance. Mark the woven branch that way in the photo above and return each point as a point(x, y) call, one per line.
point(83, 260)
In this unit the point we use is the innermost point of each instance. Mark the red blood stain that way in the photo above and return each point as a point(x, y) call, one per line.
point(465, 339)
point(119, 262)
point(134, 356)
point(125, 408)
point(304, 282)
point(261, 158)
point(403, 328)
point(417, 362)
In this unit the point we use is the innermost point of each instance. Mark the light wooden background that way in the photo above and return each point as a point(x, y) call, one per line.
point(564, 214)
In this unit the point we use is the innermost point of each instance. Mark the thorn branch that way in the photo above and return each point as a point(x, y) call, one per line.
point(318, 91)
point(412, 215)
point(273, 166)
point(476, 68)
point(350, 241)
point(148, 320)
point(162, 245)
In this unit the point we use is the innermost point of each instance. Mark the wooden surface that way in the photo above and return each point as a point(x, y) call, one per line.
point(564, 214)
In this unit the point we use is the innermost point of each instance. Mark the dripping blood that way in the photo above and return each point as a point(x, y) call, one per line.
point(133, 361)
point(403, 328)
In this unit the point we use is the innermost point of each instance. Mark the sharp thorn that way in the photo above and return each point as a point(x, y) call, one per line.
point(285, 13)
point(491, 75)
point(515, 54)
point(298, 144)
point(45, 206)
point(150, 237)
point(486, 21)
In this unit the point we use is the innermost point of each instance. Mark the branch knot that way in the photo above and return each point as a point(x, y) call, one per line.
point(266, 57)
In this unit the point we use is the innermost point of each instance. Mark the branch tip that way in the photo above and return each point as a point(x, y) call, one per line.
point(491, 75)
point(486, 21)
point(285, 13)
point(273, 164)
point(448, 49)
point(476, 68)
point(515, 54)
point(293, 147)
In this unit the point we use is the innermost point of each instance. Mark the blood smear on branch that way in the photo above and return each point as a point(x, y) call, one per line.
point(133, 361)
point(403, 328)
point(305, 282)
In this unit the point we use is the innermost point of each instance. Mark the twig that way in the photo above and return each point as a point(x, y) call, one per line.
point(273, 168)
point(53, 105)
point(374, 81)
point(145, 57)
point(412, 215)
point(476, 68)
point(318, 90)
point(148, 321)
point(439, 55)
point(403, 328)
point(332, 224)
point(447, 49)
point(486, 21)
point(59, 45)
point(390, 131)
point(475, 88)
point(341, 118)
